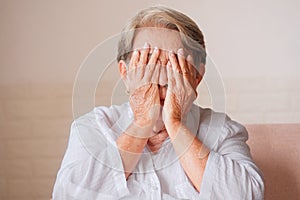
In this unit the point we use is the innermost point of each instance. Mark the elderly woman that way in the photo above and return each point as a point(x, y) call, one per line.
point(158, 145)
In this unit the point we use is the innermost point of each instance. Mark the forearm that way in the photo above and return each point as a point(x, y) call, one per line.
point(192, 153)
point(130, 147)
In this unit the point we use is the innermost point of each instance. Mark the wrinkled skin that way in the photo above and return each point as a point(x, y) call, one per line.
point(162, 89)
point(143, 77)
point(181, 91)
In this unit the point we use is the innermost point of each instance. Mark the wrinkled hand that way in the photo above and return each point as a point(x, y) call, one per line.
point(181, 88)
point(144, 94)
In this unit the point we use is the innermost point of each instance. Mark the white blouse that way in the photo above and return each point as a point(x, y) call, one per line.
point(92, 167)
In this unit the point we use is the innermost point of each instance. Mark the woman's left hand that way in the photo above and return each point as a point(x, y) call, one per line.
point(181, 91)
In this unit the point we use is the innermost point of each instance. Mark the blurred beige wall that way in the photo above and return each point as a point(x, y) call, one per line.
point(253, 45)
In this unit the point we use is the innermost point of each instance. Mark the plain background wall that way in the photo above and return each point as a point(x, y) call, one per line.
point(253, 44)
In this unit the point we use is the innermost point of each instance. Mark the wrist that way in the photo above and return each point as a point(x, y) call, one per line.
point(173, 126)
point(142, 123)
point(139, 130)
point(131, 144)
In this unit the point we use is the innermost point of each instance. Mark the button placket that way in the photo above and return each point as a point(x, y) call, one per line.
point(154, 187)
point(154, 184)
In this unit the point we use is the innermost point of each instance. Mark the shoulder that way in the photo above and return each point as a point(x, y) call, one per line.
point(209, 117)
point(96, 128)
point(104, 114)
point(102, 120)
point(215, 127)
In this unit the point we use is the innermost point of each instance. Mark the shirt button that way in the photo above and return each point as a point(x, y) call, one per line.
point(154, 187)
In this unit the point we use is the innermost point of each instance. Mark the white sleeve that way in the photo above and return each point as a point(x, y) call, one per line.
point(87, 173)
point(230, 172)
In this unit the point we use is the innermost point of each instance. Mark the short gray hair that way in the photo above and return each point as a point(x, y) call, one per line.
point(163, 17)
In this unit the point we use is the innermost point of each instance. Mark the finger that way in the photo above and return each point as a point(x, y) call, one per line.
point(176, 76)
point(154, 72)
point(154, 57)
point(171, 82)
point(152, 69)
point(193, 73)
point(143, 61)
point(133, 63)
point(173, 61)
point(182, 62)
point(192, 69)
point(144, 54)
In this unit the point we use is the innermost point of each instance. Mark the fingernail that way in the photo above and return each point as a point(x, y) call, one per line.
point(180, 52)
point(146, 45)
point(171, 53)
point(189, 59)
point(156, 49)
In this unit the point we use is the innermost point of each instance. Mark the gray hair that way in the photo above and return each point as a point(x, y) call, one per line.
point(163, 17)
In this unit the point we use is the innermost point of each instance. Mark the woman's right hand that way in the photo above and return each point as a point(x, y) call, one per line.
point(143, 79)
